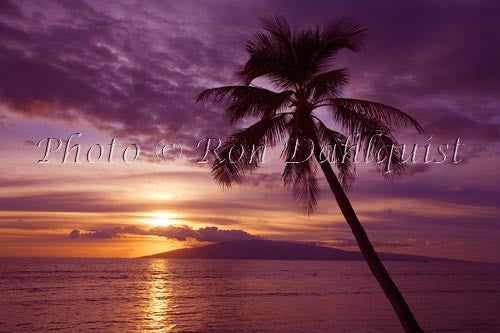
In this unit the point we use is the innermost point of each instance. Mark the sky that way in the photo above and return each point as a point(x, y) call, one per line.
point(129, 70)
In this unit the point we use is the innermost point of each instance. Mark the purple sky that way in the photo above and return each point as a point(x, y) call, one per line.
point(130, 69)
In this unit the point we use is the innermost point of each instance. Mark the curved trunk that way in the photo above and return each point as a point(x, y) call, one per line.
point(390, 289)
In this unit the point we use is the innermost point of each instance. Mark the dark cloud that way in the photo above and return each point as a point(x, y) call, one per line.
point(73, 61)
point(135, 69)
point(7, 8)
point(448, 124)
point(26, 225)
point(98, 202)
point(150, 177)
point(438, 189)
point(181, 233)
point(408, 220)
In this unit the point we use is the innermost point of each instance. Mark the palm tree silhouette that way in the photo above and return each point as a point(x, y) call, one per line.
point(298, 63)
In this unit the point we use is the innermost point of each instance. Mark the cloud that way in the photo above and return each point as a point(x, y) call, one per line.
point(389, 219)
point(430, 188)
point(265, 180)
point(451, 123)
point(132, 76)
point(133, 70)
point(99, 202)
point(181, 233)
point(20, 224)
point(7, 8)
point(418, 168)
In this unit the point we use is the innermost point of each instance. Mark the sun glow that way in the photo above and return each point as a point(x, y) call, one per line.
point(161, 219)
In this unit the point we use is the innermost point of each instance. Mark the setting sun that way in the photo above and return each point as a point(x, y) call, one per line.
point(161, 219)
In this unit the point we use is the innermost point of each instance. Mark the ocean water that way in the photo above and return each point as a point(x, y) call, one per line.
point(162, 295)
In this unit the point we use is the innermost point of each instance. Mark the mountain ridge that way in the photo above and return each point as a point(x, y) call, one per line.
point(280, 250)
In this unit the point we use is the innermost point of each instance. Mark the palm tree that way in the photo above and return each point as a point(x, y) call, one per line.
point(299, 66)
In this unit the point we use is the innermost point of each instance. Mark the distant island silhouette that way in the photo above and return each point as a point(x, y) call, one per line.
point(278, 250)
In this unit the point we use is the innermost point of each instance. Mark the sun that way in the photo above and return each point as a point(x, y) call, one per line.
point(160, 219)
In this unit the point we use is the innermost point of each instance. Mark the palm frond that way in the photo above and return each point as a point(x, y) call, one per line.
point(373, 135)
point(271, 54)
point(346, 33)
point(341, 156)
point(263, 58)
point(268, 131)
point(300, 171)
point(244, 101)
point(289, 58)
point(301, 179)
point(279, 28)
point(343, 34)
point(327, 84)
point(388, 115)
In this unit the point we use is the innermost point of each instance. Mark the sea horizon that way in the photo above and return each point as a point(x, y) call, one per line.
point(265, 249)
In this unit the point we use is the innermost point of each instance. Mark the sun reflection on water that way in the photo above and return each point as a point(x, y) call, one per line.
point(158, 312)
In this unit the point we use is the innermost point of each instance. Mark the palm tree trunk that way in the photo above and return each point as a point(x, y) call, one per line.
point(390, 289)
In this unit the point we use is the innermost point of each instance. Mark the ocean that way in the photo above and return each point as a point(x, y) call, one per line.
point(165, 295)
